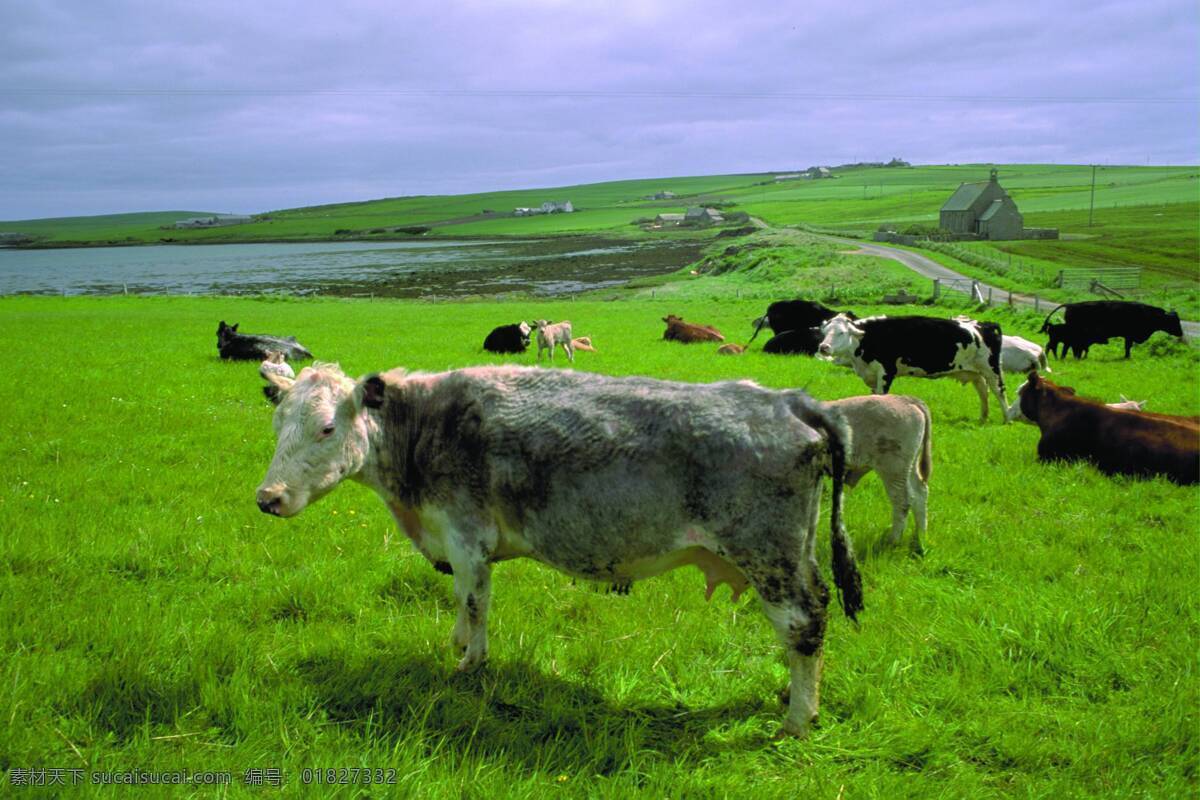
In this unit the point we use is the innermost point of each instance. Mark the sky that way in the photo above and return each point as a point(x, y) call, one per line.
point(113, 106)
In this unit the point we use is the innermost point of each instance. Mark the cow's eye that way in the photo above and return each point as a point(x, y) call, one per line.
point(328, 429)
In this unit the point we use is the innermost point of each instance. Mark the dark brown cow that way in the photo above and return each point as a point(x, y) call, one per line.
point(1115, 440)
point(688, 332)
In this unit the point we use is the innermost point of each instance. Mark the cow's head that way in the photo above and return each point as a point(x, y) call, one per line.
point(1172, 325)
point(672, 319)
point(840, 338)
point(1027, 406)
point(225, 332)
point(321, 432)
point(525, 328)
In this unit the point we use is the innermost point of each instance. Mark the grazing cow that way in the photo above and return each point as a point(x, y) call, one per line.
point(795, 315)
point(1115, 441)
point(881, 348)
point(610, 479)
point(275, 365)
point(689, 332)
point(508, 338)
point(731, 349)
point(891, 434)
point(583, 343)
point(256, 346)
point(804, 341)
point(551, 335)
point(1096, 321)
point(1021, 355)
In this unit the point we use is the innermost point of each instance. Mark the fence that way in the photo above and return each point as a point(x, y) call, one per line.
point(1101, 280)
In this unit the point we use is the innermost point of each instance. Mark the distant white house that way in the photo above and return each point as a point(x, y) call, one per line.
point(818, 172)
point(213, 221)
point(790, 176)
point(548, 207)
point(663, 195)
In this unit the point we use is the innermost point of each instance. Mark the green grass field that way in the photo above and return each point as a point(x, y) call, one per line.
point(154, 619)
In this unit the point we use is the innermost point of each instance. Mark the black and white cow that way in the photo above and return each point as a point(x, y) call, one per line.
point(508, 338)
point(795, 315)
point(256, 346)
point(879, 349)
point(1097, 321)
point(611, 479)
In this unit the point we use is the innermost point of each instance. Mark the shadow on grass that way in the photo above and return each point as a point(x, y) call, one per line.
point(518, 714)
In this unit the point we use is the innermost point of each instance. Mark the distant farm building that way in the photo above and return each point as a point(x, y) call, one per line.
point(791, 176)
point(548, 207)
point(669, 219)
point(704, 216)
point(818, 172)
point(663, 195)
point(986, 210)
point(213, 221)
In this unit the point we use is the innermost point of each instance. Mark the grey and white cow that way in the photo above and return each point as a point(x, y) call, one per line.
point(489, 463)
point(892, 434)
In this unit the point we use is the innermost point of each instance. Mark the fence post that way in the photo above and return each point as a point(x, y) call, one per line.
point(989, 295)
point(1059, 280)
point(937, 288)
point(1037, 306)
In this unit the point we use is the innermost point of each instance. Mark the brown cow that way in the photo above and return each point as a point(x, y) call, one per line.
point(688, 332)
point(731, 349)
point(1116, 441)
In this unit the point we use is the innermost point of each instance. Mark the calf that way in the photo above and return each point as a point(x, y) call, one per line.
point(731, 349)
point(795, 315)
point(689, 332)
point(804, 341)
point(892, 434)
point(583, 343)
point(508, 338)
point(881, 348)
point(1096, 321)
point(1021, 355)
point(275, 365)
point(612, 479)
point(256, 346)
point(549, 336)
point(1115, 441)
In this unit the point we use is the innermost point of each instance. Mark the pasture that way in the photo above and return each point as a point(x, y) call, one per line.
point(154, 618)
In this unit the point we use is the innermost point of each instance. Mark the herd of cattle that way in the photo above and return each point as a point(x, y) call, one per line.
point(489, 463)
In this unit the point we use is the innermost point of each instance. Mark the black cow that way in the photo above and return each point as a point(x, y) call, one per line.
point(508, 338)
point(1095, 321)
point(256, 346)
point(804, 341)
point(795, 315)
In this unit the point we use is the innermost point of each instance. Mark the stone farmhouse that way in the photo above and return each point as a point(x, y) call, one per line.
point(548, 207)
point(984, 209)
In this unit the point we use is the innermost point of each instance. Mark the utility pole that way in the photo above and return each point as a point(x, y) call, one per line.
point(1092, 202)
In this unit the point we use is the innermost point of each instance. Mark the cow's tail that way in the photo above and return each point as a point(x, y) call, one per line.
point(1043, 362)
point(925, 460)
point(845, 570)
point(1046, 325)
point(761, 321)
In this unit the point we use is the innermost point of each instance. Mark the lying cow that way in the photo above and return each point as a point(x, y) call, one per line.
point(1115, 441)
point(879, 349)
point(484, 464)
point(795, 315)
point(256, 346)
point(275, 365)
point(508, 338)
point(1095, 321)
point(550, 336)
point(1137, 406)
point(731, 349)
point(689, 332)
point(803, 341)
point(583, 343)
point(891, 434)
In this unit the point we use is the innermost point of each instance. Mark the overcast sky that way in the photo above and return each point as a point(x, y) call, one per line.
point(109, 106)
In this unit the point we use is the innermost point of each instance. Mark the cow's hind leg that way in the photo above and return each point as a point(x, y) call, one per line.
point(918, 497)
point(794, 598)
point(897, 491)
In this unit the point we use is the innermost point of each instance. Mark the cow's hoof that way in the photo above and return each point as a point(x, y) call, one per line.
point(785, 696)
point(470, 664)
point(917, 551)
point(791, 731)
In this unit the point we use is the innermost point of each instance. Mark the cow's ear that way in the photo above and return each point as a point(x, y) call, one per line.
point(369, 392)
point(277, 386)
point(234, 327)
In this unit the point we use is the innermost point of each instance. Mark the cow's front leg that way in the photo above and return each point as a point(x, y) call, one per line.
point(982, 390)
point(473, 591)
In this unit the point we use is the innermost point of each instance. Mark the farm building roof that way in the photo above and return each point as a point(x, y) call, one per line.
point(991, 210)
point(964, 196)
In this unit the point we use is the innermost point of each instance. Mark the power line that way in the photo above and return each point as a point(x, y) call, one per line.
point(586, 94)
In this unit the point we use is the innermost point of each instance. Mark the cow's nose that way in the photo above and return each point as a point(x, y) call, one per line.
point(824, 349)
point(269, 501)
